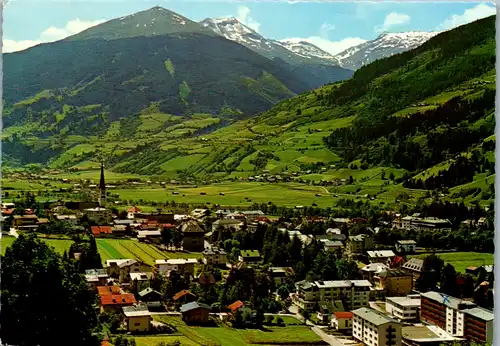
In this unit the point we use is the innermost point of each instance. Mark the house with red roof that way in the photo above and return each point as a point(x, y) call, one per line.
point(342, 320)
point(184, 296)
point(236, 306)
point(97, 231)
point(115, 302)
point(132, 211)
point(108, 290)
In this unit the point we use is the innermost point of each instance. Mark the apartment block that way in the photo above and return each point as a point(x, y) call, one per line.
point(458, 317)
point(373, 328)
point(405, 309)
point(165, 266)
point(353, 293)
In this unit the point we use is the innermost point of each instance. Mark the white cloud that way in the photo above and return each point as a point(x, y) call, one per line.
point(50, 34)
point(244, 17)
point(393, 19)
point(332, 47)
point(325, 29)
point(469, 15)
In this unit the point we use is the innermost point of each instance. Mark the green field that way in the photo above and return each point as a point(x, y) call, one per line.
point(116, 249)
point(154, 340)
point(462, 260)
point(225, 336)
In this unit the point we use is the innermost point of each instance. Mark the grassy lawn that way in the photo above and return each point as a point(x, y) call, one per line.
point(225, 336)
point(154, 340)
point(462, 260)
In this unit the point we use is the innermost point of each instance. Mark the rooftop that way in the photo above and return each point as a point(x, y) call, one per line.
point(407, 242)
point(139, 310)
point(194, 306)
point(121, 262)
point(455, 303)
point(415, 264)
point(250, 253)
point(176, 261)
point(373, 316)
point(381, 253)
point(425, 334)
point(214, 251)
point(404, 301)
point(345, 314)
point(375, 267)
point(108, 290)
point(118, 299)
point(480, 313)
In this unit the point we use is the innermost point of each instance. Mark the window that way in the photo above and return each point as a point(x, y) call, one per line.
point(137, 324)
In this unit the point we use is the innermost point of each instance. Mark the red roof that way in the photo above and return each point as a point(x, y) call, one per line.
point(133, 209)
point(118, 299)
point(167, 225)
point(343, 314)
point(182, 294)
point(236, 305)
point(108, 290)
point(263, 219)
point(96, 230)
point(8, 211)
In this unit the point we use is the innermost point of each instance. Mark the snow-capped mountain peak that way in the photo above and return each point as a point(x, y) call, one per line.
point(385, 45)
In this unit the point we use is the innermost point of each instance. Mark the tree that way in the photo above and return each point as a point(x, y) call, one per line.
point(35, 280)
point(449, 280)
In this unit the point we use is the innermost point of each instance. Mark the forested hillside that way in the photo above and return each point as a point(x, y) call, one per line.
point(423, 119)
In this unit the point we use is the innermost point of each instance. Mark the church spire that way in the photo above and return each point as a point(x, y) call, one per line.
point(102, 187)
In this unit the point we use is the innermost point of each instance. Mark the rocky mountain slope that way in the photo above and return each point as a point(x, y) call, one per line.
point(385, 45)
point(304, 56)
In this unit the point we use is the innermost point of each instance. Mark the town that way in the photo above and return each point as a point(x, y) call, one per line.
point(246, 269)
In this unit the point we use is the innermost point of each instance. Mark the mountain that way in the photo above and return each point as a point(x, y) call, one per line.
point(156, 21)
point(383, 46)
point(422, 119)
point(122, 69)
point(307, 57)
point(308, 51)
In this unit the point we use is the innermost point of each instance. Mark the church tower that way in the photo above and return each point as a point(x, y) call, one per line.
point(102, 188)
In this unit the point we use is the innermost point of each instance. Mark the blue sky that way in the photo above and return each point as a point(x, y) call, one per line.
point(333, 26)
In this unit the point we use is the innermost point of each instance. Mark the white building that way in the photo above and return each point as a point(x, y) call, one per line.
point(341, 320)
point(164, 266)
point(406, 246)
point(424, 223)
point(373, 328)
point(380, 256)
point(403, 309)
point(99, 214)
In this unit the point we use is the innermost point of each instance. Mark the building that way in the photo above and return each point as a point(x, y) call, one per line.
point(138, 318)
point(159, 217)
point(415, 266)
point(99, 215)
point(373, 328)
point(121, 268)
point(96, 277)
point(404, 309)
point(341, 320)
point(394, 282)
point(142, 279)
point(252, 215)
point(71, 219)
point(406, 246)
point(200, 213)
point(353, 293)
point(235, 306)
point(214, 256)
point(250, 257)
point(115, 302)
point(151, 298)
point(227, 224)
point(165, 266)
point(370, 270)
point(132, 211)
point(381, 256)
point(184, 296)
point(332, 245)
point(150, 235)
point(108, 290)
point(196, 313)
point(457, 317)
point(193, 237)
point(360, 243)
point(25, 221)
point(425, 336)
point(425, 223)
point(279, 274)
point(98, 231)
